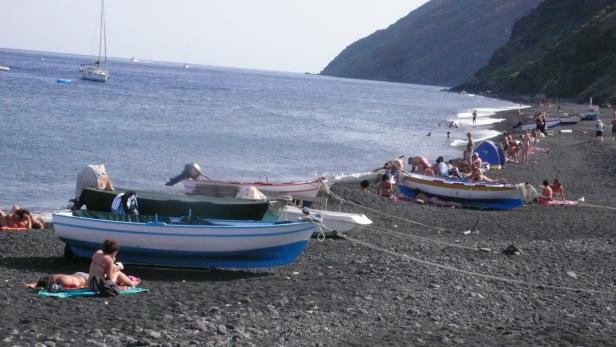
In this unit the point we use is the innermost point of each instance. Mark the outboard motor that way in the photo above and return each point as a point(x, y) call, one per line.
point(191, 170)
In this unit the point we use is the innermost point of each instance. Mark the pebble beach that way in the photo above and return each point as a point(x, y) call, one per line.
point(340, 292)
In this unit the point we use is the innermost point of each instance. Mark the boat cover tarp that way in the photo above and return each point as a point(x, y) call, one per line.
point(491, 153)
point(175, 205)
point(92, 176)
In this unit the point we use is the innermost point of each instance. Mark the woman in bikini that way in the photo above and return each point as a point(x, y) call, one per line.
point(546, 194)
point(104, 267)
point(76, 280)
point(558, 189)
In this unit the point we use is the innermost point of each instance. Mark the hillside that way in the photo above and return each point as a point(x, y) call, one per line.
point(564, 48)
point(440, 43)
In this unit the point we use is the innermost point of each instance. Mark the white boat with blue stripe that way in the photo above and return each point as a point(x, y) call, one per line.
point(173, 242)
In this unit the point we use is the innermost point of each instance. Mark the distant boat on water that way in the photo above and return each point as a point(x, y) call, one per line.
point(98, 71)
point(186, 66)
point(4, 68)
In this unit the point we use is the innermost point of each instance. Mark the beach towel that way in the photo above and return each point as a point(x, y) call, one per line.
point(67, 293)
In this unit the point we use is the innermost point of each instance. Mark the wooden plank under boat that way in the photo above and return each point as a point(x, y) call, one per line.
point(173, 242)
point(469, 194)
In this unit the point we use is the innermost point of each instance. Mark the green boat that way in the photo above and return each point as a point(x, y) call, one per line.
point(174, 205)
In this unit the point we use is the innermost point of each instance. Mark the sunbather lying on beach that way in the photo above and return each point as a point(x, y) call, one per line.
point(423, 199)
point(76, 280)
point(20, 219)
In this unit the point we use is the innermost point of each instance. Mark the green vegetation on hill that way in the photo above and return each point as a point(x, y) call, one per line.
point(440, 43)
point(564, 48)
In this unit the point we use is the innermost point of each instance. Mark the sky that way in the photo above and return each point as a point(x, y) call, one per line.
point(279, 35)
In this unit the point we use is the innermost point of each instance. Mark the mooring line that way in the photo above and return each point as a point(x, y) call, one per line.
point(472, 273)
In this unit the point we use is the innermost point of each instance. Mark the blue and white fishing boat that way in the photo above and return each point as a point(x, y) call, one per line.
point(173, 242)
point(468, 194)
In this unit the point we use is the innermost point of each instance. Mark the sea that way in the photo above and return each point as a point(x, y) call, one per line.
point(151, 118)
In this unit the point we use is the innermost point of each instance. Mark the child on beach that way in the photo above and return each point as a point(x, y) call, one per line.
point(599, 130)
point(386, 188)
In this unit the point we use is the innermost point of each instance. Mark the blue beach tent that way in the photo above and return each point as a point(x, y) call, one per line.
point(491, 153)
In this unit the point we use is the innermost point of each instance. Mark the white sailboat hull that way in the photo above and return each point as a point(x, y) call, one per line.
point(97, 75)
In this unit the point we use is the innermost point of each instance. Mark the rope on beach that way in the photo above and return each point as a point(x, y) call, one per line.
point(421, 238)
point(472, 273)
point(597, 206)
point(326, 190)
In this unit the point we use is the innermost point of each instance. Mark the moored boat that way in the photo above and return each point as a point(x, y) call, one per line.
point(173, 242)
point(549, 122)
point(468, 194)
point(298, 190)
point(570, 120)
point(590, 115)
point(175, 205)
point(341, 222)
point(4, 68)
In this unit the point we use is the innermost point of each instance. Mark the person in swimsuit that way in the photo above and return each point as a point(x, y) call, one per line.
point(386, 188)
point(525, 147)
point(104, 267)
point(421, 165)
point(547, 194)
point(477, 175)
point(20, 218)
point(76, 280)
point(558, 189)
point(599, 130)
point(474, 118)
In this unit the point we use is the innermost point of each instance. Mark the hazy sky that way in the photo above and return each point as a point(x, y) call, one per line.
point(284, 35)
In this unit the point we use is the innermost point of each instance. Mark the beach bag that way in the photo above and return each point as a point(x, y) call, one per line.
point(107, 288)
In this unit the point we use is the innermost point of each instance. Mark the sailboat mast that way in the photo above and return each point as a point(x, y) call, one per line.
point(104, 25)
point(100, 36)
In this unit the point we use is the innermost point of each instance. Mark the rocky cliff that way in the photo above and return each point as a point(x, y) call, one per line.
point(440, 43)
point(564, 48)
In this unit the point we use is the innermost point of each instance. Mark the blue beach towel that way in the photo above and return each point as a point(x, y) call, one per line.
point(85, 292)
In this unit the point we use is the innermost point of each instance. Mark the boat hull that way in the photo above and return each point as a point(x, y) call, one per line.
point(340, 222)
point(95, 75)
point(550, 123)
point(590, 116)
point(472, 195)
point(247, 245)
point(298, 190)
point(174, 205)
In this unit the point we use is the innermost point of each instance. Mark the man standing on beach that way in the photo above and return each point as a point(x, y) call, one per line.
point(474, 118)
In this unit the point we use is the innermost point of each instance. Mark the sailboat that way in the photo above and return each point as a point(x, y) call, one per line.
point(98, 71)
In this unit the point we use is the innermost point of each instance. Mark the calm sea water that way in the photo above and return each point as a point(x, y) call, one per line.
point(150, 119)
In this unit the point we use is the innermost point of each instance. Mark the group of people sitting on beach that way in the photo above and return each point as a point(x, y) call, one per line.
point(105, 275)
point(519, 150)
point(20, 219)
